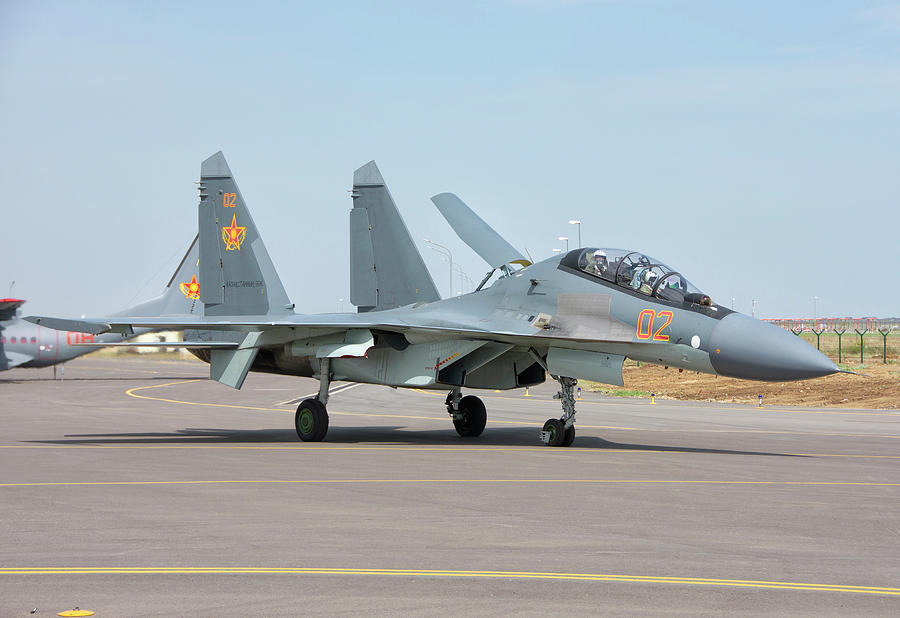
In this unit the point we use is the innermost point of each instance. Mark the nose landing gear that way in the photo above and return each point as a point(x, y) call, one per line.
point(561, 431)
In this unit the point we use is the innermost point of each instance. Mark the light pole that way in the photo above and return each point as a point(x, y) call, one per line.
point(449, 257)
point(463, 277)
point(578, 223)
point(565, 238)
point(341, 300)
point(815, 308)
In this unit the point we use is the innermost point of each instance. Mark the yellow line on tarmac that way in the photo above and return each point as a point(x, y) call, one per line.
point(452, 481)
point(131, 393)
point(736, 408)
point(609, 577)
point(313, 448)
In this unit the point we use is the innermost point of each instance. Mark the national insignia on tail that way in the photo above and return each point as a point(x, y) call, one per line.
point(234, 235)
point(191, 290)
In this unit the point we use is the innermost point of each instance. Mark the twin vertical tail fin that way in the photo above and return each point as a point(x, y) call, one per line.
point(386, 269)
point(236, 273)
point(182, 293)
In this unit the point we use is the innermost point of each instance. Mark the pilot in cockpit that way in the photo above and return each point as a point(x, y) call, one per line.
point(597, 263)
point(643, 280)
point(648, 280)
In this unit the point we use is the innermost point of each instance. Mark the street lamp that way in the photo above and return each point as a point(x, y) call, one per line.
point(578, 223)
point(565, 238)
point(449, 257)
point(463, 277)
point(815, 308)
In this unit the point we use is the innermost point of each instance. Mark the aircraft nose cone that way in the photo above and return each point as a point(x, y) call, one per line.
point(742, 347)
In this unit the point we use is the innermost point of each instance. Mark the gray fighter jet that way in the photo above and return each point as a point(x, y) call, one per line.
point(573, 316)
point(23, 344)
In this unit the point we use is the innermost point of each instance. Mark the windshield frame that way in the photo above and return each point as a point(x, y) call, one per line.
point(577, 261)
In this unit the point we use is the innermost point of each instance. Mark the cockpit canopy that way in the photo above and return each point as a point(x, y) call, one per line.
point(638, 272)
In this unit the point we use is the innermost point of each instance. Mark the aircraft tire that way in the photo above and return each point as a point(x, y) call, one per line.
point(569, 436)
point(557, 431)
point(311, 420)
point(474, 417)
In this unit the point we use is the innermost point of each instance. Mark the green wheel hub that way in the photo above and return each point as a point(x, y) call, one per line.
point(307, 421)
point(311, 421)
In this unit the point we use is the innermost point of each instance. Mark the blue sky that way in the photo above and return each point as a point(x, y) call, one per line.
point(751, 145)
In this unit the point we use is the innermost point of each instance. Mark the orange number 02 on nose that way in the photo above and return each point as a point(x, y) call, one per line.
point(645, 321)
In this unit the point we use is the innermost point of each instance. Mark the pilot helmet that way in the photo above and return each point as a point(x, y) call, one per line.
point(600, 255)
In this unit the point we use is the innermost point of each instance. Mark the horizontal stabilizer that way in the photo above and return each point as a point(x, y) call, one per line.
point(473, 231)
point(230, 367)
point(75, 326)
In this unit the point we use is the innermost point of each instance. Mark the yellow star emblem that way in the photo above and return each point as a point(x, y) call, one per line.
point(233, 236)
point(191, 290)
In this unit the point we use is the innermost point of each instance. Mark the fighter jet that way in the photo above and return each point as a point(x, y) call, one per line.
point(573, 316)
point(23, 344)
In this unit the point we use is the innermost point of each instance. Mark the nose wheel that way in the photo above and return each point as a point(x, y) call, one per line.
point(561, 431)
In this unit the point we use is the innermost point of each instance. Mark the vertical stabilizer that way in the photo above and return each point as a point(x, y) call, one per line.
point(236, 274)
point(182, 293)
point(386, 269)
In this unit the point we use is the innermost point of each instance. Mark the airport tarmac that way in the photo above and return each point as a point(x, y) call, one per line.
point(138, 487)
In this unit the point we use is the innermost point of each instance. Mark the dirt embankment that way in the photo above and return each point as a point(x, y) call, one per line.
point(878, 389)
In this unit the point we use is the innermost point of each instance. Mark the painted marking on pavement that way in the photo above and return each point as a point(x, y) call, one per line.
point(452, 481)
point(131, 392)
point(641, 402)
point(331, 391)
point(444, 449)
point(608, 577)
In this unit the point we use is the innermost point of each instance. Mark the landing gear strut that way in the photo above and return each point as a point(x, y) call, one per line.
point(311, 419)
point(561, 431)
point(469, 414)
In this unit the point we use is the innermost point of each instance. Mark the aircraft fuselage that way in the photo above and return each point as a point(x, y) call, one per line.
point(581, 325)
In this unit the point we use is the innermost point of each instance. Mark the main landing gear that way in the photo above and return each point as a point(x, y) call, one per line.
point(468, 413)
point(561, 431)
point(311, 419)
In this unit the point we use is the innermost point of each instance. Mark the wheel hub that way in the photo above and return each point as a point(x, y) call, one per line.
point(307, 422)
